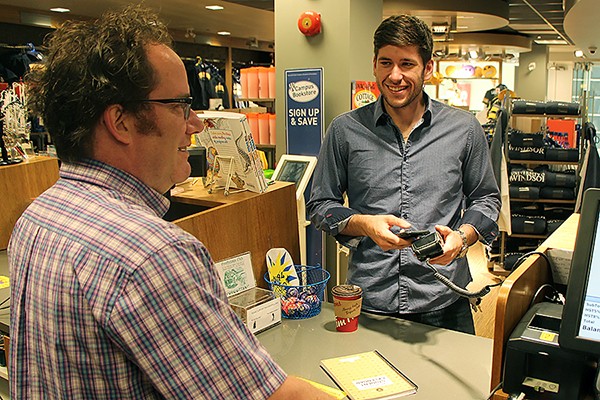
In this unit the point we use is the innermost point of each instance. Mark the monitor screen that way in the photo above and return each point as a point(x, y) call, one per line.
point(580, 325)
point(292, 171)
point(297, 169)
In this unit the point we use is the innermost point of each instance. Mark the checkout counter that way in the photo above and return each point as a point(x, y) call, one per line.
point(20, 184)
point(517, 291)
point(443, 363)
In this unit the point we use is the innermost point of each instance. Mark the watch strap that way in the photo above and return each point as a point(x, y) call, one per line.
point(465, 245)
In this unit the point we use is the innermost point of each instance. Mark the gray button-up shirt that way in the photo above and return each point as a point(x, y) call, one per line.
point(441, 175)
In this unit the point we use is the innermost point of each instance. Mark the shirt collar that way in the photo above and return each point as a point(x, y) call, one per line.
point(381, 115)
point(100, 174)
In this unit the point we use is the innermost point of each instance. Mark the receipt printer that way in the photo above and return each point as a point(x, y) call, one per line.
point(535, 365)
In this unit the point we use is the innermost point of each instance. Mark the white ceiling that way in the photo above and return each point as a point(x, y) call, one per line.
point(241, 21)
point(251, 22)
point(581, 24)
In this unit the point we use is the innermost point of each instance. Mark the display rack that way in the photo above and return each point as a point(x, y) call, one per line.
point(270, 150)
point(538, 122)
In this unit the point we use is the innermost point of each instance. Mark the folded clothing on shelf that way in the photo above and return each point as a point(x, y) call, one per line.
point(520, 139)
point(526, 153)
point(558, 212)
point(557, 193)
point(561, 179)
point(528, 224)
point(548, 107)
point(524, 192)
point(562, 108)
point(526, 177)
point(554, 154)
point(528, 107)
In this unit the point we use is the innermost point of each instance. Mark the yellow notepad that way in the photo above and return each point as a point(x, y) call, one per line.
point(368, 376)
point(333, 392)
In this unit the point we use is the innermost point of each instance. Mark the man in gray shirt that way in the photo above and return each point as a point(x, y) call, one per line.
point(406, 160)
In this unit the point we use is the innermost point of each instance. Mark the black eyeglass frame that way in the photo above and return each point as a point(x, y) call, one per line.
point(186, 101)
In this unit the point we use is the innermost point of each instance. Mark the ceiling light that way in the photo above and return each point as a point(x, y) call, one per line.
point(214, 8)
point(60, 10)
point(550, 41)
point(578, 53)
point(224, 33)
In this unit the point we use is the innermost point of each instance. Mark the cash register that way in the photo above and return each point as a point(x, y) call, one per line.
point(553, 352)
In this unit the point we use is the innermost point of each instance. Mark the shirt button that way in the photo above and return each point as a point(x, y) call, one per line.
point(405, 216)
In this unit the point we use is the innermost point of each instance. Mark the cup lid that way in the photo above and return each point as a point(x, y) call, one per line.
point(346, 290)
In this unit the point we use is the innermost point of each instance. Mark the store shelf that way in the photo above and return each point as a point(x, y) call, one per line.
point(4, 373)
point(257, 100)
point(472, 78)
point(542, 162)
point(270, 153)
point(551, 116)
point(528, 236)
point(549, 201)
point(537, 123)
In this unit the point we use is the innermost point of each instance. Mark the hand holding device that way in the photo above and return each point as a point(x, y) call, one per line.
point(428, 246)
point(411, 233)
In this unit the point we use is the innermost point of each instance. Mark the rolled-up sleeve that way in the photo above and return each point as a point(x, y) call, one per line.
point(480, 188)
point(326, 208)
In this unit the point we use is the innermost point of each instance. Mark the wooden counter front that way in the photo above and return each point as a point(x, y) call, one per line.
point(19, 185)
point(242, 222)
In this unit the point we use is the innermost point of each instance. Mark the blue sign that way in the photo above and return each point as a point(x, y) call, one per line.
point(304, 111)
point(304, 132)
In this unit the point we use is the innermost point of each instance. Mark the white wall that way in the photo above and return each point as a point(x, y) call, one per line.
point(560, 79)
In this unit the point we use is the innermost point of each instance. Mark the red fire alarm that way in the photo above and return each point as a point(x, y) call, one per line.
point(309, 23)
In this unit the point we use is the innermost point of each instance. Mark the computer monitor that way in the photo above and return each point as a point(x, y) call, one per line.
point(580, 325)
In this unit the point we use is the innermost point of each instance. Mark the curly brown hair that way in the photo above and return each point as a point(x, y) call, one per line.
point(404, 30)
point(89, 66)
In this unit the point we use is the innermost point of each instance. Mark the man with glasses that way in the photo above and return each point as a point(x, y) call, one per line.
point(108, 299)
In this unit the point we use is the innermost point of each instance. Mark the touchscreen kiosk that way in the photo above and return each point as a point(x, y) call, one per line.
point(580, 325)
point(297, 169)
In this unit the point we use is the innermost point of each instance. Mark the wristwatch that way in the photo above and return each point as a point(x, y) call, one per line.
point(465, 245)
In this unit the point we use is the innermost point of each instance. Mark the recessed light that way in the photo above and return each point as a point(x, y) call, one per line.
point(578, 53)
point(214, 8)
point(60, 10)
point(224, 33)
point(550, 41)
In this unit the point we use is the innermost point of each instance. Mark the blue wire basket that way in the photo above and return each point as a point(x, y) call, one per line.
point(302, 301)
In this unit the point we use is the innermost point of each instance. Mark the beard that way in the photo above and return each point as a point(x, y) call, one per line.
point(145, 122)
point(415, 91)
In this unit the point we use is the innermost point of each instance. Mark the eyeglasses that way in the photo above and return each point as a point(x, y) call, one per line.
point(185, 102)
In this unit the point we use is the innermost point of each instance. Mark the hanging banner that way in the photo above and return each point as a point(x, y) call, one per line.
point(304, 111)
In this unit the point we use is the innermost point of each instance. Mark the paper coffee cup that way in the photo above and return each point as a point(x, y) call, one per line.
point(347, 301)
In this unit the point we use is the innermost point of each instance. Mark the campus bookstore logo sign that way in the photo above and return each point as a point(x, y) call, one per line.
point(304, 110)
point(303, 92)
